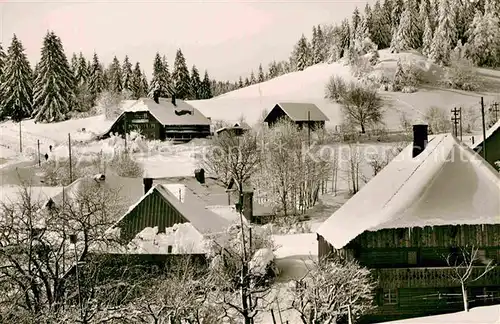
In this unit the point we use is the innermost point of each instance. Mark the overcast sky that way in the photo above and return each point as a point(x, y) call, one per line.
point(229, 38)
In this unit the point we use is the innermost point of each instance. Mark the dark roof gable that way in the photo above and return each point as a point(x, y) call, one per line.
point(300, 111)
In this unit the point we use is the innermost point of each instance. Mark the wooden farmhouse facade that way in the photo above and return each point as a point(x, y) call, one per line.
point(302, 114)
point(421, 211)
point(492, 144)
point(166, 119)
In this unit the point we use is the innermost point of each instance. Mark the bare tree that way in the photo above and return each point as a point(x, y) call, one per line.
point(232, 157)
point(36, 255)
point(332, 290)
point(353, 166)
point(465, 269)
point(335, 88)
point(380, 160)
point(438, 120)
point(361, 105)
point(242, 271)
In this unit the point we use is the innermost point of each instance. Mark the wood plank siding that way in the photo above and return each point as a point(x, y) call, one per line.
point(141, 121)
point(410, 268)
point(153, 210)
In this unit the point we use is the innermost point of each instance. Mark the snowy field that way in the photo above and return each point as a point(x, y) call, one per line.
point(309, 86)
point(479, 315)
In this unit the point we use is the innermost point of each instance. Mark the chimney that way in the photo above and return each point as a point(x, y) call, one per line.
point(156, 96)
point(148, 183)
point(199, 174)
point(173, 100)
point(419, 139)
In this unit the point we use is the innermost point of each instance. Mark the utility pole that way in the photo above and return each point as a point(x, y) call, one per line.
point(460, 123)
point(484, 128)
point(70, 164)
point(494, 110)
point(125, 127)
point(20, 139)
point(454, 119)
point(309, 128)
point(38, 146)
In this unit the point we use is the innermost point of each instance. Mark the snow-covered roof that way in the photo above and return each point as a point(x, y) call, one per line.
point(298, 111)
point(492, 130)
point(168, 114)
point(447, 184)
point(189, 206)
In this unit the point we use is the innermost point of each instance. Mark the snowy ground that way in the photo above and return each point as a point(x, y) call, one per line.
point(309, 86)
point(479, 315)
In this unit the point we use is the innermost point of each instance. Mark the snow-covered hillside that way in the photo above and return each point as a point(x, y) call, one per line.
point(309, 86)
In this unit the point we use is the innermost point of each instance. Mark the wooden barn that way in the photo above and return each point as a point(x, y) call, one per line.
point(492, 144)
point(426, 205)
point(163, 206)
point(302, 114)
point(237, 129)
point(161, 119)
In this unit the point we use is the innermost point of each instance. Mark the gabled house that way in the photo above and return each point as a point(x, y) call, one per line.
point(161, 119)
point(302, 114)
point(237, 129)
point(165, 205)
point(434, 198)
point(492, 144)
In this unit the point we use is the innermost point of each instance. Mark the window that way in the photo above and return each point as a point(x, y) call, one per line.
point(390, 297)
point(412, 257)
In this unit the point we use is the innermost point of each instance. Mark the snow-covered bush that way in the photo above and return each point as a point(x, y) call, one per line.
point(361, 66)
point(462, 75)
point(283, 226)
point(125, 166)
point(321, 295)
point(408, 76)
point(438, 120)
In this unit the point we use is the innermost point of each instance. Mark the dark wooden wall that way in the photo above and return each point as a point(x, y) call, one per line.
point(129, 121)
point(492, 148)
point(276, 115)
point(154, 210)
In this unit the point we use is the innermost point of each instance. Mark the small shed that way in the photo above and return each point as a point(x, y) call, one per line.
point(237, 129)
point(302, 114)
point(492, 144)
point(161, 119)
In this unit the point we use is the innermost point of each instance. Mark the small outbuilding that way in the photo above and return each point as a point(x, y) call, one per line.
point(237, 129)
point(302, 114)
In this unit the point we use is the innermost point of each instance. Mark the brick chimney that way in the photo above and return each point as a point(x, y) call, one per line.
point(148, 184)
point(156, 96)
point(420, 139)
point(173, 100)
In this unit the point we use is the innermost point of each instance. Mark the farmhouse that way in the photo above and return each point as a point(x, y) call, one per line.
point(492, 144)
point(302, 114)
point(160, 119)
point(427, 204)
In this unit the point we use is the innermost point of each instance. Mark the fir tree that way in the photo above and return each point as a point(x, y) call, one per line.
point(247, 82)
point(302, 54)
point(127, 74)
point(166, 74)
point(74, 64)
point(322, 49)
point(380, 33)
point(261, 77)
point(483, 46)
point(195, 89)
point(240, 83)
point(444, 35)
point(81, 72)
point(180, 76)
point(356, 19)
point(399, 76)
point(206, 87)
point(427, 38)
point(115, 76)
point(54, 94)
point(136, 83)
point(3, 59)
point(252, 78)
point(397, 10)
point(97, 82)
point(145, 83)
point(159, 81)
point(407, 34)
point(16, 88)
point(315, 46)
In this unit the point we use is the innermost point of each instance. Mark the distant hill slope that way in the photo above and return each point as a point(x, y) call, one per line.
point(309, 86)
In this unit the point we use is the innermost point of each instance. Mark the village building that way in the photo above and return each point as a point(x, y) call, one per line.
point(432, 200)
point(302, 114)
point(492, 144)
point(237, 129)
point(161, 119)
